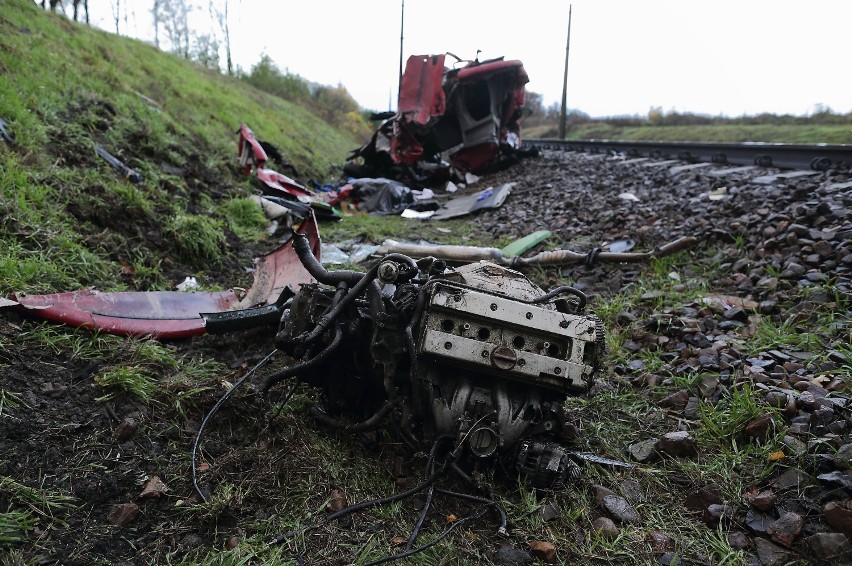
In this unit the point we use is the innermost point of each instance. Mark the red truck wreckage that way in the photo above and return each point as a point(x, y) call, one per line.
point(465, 118)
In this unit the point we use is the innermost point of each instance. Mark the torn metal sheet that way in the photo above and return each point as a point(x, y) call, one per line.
point(174, 314)
point(487, 199)
point(284, 185)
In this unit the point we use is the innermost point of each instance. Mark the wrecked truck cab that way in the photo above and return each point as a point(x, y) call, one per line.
point(465, 118)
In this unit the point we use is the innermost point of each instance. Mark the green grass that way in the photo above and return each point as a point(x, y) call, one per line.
point(77, 345)
point(245, 218)
point(129, 379)
point(14, 526)
point(196, 238)
point(733, 133)
point(9, 400)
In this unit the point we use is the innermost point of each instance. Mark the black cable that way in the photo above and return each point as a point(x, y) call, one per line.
point(478, 499)
point(282, 403)
point(371, 423)
point(228, 394)
point(430, 469)
point(429, 544)
point(367, 504)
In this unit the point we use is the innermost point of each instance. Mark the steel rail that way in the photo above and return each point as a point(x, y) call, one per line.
point(819, 157)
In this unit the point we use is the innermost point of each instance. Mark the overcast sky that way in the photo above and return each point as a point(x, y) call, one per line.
point(713, 57)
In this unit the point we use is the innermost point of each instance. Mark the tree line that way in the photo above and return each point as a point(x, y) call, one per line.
point(537, 114)
point(177, 27)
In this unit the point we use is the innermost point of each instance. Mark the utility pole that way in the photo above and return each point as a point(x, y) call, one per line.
point(563, 114)
point(401, 29)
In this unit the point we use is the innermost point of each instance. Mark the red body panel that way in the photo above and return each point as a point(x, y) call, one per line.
point(250, 151)
point(282, 184)
point(422, 94)
point(490, 67)
point(172, 314)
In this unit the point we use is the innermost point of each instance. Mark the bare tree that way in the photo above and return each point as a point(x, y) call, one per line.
point(155, 12)
point(174, 16)
point(116, 13)
point(221, 18)
point(85, 9)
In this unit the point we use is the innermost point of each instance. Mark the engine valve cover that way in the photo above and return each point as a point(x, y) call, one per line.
point(513, 340)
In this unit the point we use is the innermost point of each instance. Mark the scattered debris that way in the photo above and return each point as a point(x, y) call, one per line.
point(174, 314)
point(526, 243)
point(381, 196)
point(153, 488)
point(188, 284)
point(461, 254)
point(119, 165)
point(153, 104)
point(252, 155)
point(123, 514)
point(4, 133)
point(487, 199)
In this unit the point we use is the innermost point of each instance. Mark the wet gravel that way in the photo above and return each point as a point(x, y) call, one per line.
point(778, 251)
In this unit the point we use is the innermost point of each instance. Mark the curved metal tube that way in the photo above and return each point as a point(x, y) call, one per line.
point(370, 424)
point(306, 365)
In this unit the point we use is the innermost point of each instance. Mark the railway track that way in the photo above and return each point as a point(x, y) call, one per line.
point(818, 157)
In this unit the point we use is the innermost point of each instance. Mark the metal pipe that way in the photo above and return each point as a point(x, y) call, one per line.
point(564, 113)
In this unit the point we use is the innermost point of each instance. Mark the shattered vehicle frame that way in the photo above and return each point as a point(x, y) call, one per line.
point(466, 118)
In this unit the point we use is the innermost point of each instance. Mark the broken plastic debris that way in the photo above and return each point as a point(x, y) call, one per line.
point(451, 187)
point(188, 284)
point(423, 194)
point(271, 209)
point(621, 246)
point(470, 178)
point(629, 196)
point(332, 255)
point(418, 214)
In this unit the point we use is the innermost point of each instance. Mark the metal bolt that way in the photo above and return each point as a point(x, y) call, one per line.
point(557, 371)
point(448, 345)
point(563, 324)
point(529, 316)
point(484, 353)
point(522, 362)
point(494, 306)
